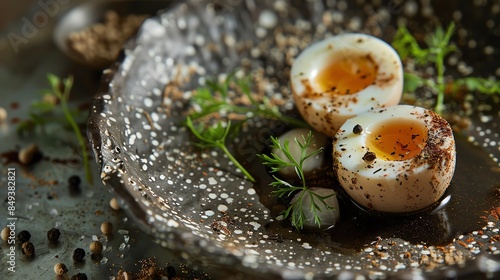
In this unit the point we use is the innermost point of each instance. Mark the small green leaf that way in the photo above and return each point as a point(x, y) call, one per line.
point(43, 106)
point(486, 86)
point(54, 81)
point(412, 82)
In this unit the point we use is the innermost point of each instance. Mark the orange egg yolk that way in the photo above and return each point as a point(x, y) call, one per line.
point(349, 74)
point(397, 139)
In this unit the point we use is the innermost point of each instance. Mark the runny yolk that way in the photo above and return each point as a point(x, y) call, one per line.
point(397, 139)
point(349, 74)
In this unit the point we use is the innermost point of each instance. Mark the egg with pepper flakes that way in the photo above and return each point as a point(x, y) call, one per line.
point(398, 159)
point(342, 76)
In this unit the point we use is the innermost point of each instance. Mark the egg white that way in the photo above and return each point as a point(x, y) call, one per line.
point(327, 111)
point(395, 185)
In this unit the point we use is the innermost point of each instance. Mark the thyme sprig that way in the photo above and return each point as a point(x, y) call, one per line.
point(438, 47)
point(54, 108)
point(285, 189)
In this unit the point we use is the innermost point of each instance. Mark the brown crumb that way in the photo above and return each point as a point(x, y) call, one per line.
point(221, 225)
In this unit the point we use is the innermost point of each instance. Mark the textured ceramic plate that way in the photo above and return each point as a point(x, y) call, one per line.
point(195, 202)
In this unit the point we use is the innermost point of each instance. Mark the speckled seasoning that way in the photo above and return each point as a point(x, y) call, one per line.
point(178, 191)
point(403, 162)
point(344, 75)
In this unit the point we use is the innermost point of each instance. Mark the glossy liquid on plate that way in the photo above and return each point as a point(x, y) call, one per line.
point(471, 195)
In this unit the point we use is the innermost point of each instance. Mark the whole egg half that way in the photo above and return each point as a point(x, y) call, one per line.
point(398, 159)
point(342, 76)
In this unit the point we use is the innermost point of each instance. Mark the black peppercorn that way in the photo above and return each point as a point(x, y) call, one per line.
point(23, 236)
point(170, 272)
point(78, 255)
point(53, 235)
point(74, 184)
point(28, 249)
point(357, 129)
point(79, 276)
point(74, 180)
point(369, 157)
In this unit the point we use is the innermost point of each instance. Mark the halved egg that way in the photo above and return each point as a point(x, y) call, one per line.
point(398, 159)
point(342, 76)
point(318, 141)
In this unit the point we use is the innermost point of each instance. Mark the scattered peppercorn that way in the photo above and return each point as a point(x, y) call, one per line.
point(113, 203)
point(5, 233)
point(170, 272)
point(24, 236)
point(78, 255)
point(74, 181)
point(60, 269)
point(107, 228)
point(74, 184)
point(79, 276)
point(357, 129)
point(29, 154)
point(369, 157)
point(53, 235)
point(96, 247)
point(3, 115)
point(28, 249)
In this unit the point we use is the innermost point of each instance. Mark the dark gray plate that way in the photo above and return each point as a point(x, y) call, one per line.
point(196, 203)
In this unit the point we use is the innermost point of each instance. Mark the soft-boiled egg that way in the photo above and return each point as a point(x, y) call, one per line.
point(342, 76)
point(318, 141)
point(396, 159)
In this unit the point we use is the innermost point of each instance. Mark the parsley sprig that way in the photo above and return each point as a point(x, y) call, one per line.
point(285, 189)
point(438, 47)
point(55, 109)
point(215, 136)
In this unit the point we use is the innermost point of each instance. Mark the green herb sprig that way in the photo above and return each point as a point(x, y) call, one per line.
point(285, 189)
point(215, 137)
point(438, 47)
point(57, 111)
point(215, 98)
point(219, 98)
